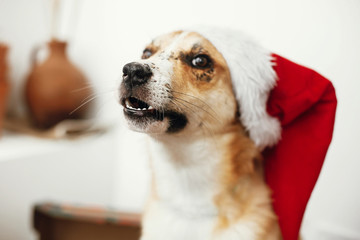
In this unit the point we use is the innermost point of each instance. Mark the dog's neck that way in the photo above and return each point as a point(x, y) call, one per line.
point(187, 172)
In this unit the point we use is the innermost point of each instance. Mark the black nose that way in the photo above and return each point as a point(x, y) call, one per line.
point(136, 74)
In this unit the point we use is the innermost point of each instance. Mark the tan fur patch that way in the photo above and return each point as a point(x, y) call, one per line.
point(244, 195)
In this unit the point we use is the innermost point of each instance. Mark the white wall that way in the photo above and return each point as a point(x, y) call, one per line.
point(105, 34)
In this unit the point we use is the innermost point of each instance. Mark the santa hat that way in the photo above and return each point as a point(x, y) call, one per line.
point(288, 111)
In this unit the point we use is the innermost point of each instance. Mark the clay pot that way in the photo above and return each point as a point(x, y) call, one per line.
point(56, 88)
point(4, 84)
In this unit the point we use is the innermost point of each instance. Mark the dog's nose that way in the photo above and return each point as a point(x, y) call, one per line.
point(136, 74)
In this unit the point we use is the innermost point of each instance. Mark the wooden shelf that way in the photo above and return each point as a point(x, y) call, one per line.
point(17, 146)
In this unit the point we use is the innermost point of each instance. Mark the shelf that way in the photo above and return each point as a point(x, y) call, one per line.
point(18, 146)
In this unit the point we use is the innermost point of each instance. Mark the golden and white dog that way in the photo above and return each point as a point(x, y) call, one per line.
point(207, 179)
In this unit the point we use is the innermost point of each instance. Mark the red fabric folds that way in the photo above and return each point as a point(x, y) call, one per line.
point(305, 103)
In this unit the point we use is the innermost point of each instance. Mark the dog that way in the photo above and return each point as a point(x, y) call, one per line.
point(205, 152)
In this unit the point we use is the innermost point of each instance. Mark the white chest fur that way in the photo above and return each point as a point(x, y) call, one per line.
point(185, 182)
point(184, 175)
point(185, 185)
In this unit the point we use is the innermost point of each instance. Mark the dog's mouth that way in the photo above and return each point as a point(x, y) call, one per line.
point(139, 112)
point(134, 107)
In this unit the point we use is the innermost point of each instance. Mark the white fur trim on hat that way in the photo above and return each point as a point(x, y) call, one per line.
point(253, 78)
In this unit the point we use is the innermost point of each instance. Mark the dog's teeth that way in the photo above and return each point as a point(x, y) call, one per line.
point(127, 104)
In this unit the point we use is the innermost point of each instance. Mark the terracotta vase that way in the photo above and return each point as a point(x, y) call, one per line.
point(55, 89)
point(4, 84)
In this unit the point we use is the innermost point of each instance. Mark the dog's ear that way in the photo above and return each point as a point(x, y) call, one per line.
point(253, 77)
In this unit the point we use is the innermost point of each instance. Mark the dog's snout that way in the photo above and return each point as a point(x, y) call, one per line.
point(136, 74)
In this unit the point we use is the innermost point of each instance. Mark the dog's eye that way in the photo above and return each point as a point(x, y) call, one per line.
point(146, 54)
point(201, 61)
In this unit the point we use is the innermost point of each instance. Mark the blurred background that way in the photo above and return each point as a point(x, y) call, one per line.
point(111, 169)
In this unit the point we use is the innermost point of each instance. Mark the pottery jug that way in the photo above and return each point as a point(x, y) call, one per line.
point(55, 89)
point(4, 84)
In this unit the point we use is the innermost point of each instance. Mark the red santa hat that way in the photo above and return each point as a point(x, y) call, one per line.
point(289, 112)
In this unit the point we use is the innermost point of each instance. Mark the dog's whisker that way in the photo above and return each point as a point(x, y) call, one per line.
point(83, 104)
point(89, 86)
point(201, 120)
point(199, 107)
point(202, 123)
point(197, 98)
point(192, 104)
point(174, 102)
point(98, 94)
